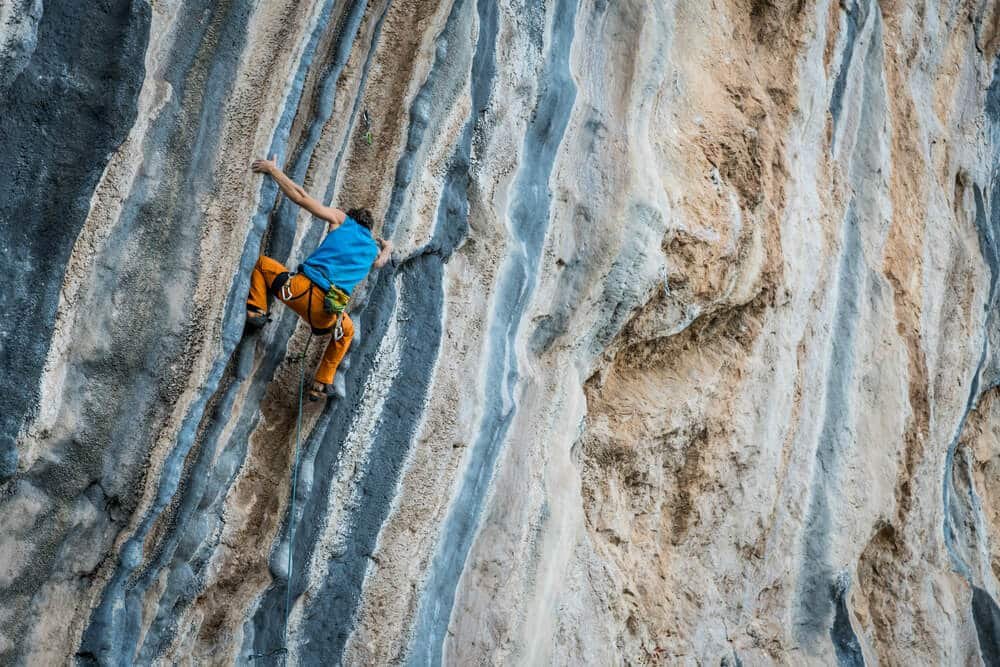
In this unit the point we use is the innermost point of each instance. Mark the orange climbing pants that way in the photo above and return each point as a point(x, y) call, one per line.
point(306, 300)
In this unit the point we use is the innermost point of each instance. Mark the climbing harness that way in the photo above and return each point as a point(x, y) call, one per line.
point(291, 508)
point(281, 287)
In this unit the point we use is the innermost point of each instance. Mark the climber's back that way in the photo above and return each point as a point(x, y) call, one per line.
point(345, 256)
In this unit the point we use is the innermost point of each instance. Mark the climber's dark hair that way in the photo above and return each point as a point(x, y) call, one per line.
point(362, 216)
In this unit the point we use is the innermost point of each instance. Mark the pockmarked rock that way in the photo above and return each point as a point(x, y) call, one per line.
point(686, 354)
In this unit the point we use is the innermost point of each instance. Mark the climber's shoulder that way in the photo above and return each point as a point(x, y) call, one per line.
point(333, 216)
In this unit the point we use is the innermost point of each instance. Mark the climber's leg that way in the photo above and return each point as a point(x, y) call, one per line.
point(264, 273)
point(334, 354)
point(299, 294)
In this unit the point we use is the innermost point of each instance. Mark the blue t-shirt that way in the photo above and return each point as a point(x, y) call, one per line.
point(344, 257)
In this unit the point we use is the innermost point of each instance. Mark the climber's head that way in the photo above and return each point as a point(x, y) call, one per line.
point(363, 217)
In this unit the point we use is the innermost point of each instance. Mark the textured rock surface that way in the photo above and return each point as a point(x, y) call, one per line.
point(688, 354)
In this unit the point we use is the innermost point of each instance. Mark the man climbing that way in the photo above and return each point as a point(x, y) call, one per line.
point(320, 290)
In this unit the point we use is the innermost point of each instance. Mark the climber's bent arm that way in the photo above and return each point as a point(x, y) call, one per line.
point(297, 193)
point(385, 251)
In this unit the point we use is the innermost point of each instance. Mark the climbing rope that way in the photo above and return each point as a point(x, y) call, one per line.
point(291, 508)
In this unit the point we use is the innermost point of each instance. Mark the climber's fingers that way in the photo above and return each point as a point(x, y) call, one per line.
point(264, 166)
point(385, 253)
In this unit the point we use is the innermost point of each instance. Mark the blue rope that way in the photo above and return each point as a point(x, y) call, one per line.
point(291, 508)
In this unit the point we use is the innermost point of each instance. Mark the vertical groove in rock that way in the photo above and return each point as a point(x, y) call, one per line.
point(964, 540)
point(816, 592)
point(531, 200)
point(67, 110)
point(187, 130)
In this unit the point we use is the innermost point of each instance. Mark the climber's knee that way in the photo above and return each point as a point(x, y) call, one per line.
point(269, 269)
point(260, 277)
point(267, 265)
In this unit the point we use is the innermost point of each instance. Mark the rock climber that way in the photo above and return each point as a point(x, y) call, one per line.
point(321, 288)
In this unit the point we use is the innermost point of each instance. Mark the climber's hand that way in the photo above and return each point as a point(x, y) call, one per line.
point(385, 253)
point(264, 166)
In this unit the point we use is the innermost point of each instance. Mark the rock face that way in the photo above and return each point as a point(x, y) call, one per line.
point(688, 353)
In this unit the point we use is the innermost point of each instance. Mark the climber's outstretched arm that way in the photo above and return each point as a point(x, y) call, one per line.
point(297, 194)
point(384, 253)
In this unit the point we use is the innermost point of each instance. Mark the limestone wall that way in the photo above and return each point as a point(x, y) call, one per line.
point(686, 355)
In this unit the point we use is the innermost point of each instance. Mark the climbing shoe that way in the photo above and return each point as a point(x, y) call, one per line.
point(317, 392)
point(255, 320)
